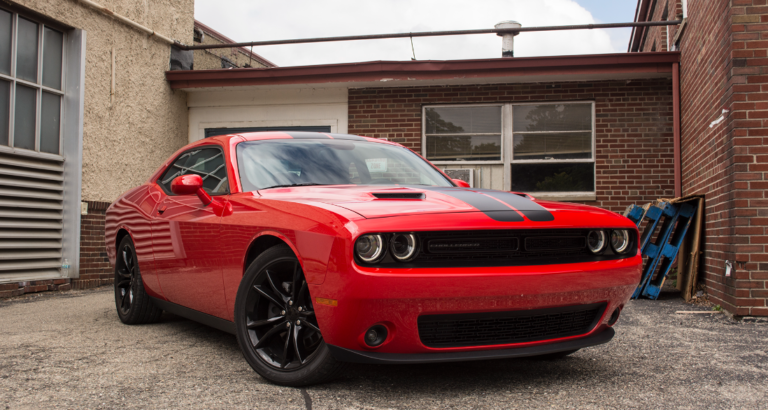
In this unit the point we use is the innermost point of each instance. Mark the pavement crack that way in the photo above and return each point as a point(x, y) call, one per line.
point(307, 399)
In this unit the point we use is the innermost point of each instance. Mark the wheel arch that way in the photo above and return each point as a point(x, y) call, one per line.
point(264, 241)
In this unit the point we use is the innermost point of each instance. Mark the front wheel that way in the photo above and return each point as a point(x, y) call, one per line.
point(275, 323)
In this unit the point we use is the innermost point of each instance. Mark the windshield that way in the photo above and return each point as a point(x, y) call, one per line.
point(279, 163)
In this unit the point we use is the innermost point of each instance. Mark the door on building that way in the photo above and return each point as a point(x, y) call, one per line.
point(212, 132)
point(184, 231)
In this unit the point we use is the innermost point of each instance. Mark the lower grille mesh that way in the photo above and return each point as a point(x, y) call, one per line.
point(478, 329)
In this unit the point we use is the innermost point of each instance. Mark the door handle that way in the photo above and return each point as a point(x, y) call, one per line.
point(162, 209)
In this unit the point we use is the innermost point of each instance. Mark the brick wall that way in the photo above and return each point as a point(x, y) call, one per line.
point(633, 126)
point(723, 65)
point(94, 264)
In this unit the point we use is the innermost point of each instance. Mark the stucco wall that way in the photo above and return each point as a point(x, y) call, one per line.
point(125, 139)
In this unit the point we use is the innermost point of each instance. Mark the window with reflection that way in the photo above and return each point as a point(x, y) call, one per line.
point(463, 133)
point(552, 148)
point(552, 144)
point(31, 84)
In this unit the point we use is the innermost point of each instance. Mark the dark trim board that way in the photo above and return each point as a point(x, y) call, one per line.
point(191, 314)
point(212, 132)
point(357, 356)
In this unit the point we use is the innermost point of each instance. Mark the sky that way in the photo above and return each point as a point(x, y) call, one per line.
point(248, 20)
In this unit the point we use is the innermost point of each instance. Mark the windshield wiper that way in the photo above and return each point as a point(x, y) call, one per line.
point(290, 185)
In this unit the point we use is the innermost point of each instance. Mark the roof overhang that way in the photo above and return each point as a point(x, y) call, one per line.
point(452, 72)
point(638, 33)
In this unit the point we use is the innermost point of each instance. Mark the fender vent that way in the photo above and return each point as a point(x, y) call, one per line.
point(399, 195)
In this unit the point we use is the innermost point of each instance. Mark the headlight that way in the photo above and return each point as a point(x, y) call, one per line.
point(403, 246)
point(370, 248)
point(596, 241)
point(620, 240)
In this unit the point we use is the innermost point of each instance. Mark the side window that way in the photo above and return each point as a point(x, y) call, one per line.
point(206, 162)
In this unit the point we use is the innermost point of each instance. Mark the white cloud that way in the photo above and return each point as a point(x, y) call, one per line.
point(246, 20)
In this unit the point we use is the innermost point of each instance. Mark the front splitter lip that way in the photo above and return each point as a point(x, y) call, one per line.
point(356, 356)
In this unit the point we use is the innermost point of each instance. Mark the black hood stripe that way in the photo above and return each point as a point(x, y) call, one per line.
point(489, 206)
point(530, 209)
point(498, 205)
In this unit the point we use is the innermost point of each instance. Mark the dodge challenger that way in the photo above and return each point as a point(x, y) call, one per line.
point(316, 250)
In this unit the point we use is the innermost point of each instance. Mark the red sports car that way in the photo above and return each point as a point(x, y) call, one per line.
point(319, 249)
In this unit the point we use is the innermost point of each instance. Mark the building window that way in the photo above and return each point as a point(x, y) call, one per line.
point(551, 146)
point(31, 84)
point(463, 133)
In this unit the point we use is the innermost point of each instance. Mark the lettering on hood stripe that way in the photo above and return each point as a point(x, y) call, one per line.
point(489, 206)
point(530, 209)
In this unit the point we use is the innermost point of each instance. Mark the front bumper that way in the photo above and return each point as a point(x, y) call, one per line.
point(397, 298)
point(367, 357)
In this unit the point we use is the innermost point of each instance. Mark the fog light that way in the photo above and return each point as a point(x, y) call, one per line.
point(376, 335)
point(614, 316)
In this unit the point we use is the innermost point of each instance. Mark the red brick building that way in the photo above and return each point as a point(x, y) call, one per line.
point(723, 66)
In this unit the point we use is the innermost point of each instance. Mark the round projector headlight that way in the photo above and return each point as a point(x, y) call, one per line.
point(370, 248)
point(596, 241)
point(620, 240)
point(403, 246)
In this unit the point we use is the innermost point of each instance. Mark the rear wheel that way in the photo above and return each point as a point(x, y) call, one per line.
point(276, 325)
point(133, 304)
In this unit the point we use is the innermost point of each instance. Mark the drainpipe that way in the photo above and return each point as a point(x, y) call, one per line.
point(508, 39)
point(676, 129)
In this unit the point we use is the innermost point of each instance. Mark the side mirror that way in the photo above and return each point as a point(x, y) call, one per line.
point(190, 184)
point(461, 183)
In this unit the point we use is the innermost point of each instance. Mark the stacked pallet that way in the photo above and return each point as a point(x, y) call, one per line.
point(664, 226)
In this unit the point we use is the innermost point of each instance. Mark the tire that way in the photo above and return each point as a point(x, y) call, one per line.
point(280, 339)
point(131, 299)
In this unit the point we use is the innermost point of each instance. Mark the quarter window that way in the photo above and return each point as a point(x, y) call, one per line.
point(206, 162)
point(31, 85)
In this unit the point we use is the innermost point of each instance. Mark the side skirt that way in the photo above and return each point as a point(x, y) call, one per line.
point(191, 314)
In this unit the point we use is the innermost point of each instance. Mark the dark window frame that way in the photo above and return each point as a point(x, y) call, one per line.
point(168, 192)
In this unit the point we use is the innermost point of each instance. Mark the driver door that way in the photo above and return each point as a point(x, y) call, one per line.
point(185, 234)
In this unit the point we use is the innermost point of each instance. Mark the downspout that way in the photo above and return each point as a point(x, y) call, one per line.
point(676, 129)
point(110, 13)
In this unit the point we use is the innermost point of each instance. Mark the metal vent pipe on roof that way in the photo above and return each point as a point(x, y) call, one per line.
point(508, 39)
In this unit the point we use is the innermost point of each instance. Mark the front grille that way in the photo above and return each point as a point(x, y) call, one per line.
point(482, 329)
point(499, 247)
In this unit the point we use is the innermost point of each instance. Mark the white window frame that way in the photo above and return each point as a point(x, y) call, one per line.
point(38, 86)
point(507, 146)
point(424, 134)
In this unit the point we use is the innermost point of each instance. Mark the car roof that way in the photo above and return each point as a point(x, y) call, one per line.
point(303, 135)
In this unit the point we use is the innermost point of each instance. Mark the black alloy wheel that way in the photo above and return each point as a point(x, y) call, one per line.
point(133, 304)
point(276, 325)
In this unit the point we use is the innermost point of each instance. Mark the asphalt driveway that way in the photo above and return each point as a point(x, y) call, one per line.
point(69, 350)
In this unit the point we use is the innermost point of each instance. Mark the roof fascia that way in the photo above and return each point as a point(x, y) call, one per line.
point(389, 72)
point(641, 14)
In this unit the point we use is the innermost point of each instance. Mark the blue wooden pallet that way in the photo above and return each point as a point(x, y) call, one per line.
point(675, 220)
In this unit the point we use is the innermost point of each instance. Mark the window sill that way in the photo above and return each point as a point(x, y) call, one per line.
point(571, 196)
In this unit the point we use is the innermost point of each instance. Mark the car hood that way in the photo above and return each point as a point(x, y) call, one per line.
point(376, 201)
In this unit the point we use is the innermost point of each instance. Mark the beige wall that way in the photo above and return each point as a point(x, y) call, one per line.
point(126, 139)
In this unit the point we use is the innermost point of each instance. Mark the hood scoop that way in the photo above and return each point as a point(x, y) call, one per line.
point(398, 195)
